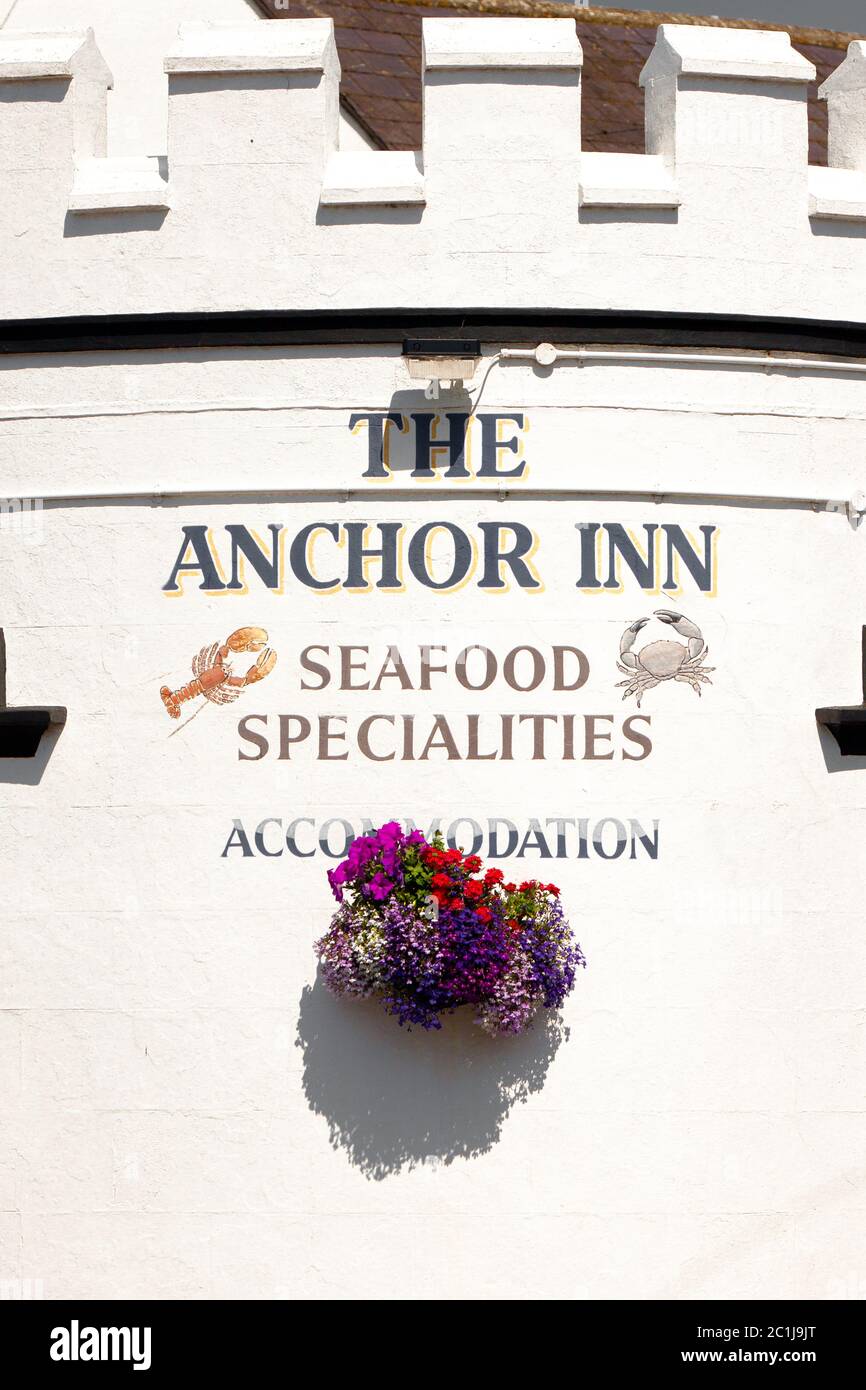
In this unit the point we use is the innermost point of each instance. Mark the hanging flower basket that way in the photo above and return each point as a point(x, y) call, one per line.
point(424, 929)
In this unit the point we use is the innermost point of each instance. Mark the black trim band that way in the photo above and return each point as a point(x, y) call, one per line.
point(275, 328)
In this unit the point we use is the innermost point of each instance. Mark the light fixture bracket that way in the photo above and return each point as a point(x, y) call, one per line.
point(21, 729)
point(847, 723)
point(442, 359)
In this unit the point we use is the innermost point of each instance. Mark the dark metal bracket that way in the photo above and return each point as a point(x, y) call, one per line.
point(21, 729)
point(847, 723)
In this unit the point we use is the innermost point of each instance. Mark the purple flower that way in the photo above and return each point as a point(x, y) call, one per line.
point(384, 940)
point(337, 877)
point(379, 887)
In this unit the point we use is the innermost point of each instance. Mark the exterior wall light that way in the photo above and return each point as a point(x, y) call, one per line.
point(847, 723)
point(441, 362)
point(21, 729)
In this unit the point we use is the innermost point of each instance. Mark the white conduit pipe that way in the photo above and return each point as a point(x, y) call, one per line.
point(853, 507)
point(546, 355)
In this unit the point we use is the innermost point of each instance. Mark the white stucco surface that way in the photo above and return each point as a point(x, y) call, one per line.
point(185, 1113)
point(134, 39)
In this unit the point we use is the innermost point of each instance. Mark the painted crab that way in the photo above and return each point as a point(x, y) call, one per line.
point(664, 660)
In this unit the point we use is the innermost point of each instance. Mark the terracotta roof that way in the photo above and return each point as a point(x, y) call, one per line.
point(379, 42)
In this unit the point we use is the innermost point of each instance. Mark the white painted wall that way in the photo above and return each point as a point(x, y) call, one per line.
point(352, 136)
point(185, 1114)
point(134, 39)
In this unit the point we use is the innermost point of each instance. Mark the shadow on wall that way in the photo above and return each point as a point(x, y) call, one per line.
point(833, 760)
point(394, 1099)
point(28, 772)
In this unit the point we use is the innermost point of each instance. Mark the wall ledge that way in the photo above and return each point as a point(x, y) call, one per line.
point(626, 181)
point(837, 193)
point(119, 185)
point(362, 178)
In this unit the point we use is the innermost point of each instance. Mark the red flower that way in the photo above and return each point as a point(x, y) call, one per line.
point(552, 888)
point(456, 904)
point(513, 924)
point(483, 914)
point(441, 896)
point(494, 876)
point(452, 856)
point(510, 887)
point(473, 889)
point(441, 881)
point(527, 885)
point(473, 863)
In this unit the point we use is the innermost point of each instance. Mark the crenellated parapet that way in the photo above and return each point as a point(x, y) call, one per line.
point(840, 190)
point(255, 205)
point(54, 108)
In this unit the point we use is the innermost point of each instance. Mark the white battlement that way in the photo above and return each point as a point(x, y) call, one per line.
point(501, 208)
point(694, 50)
point(518, 43)
point(28, 63)
point(70, 53)
point(304, 45)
